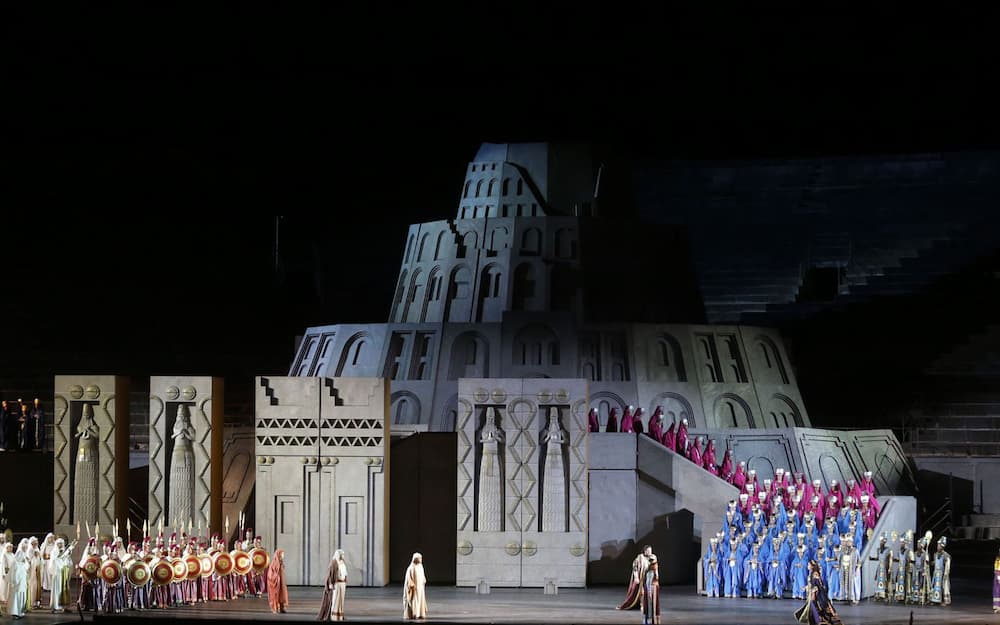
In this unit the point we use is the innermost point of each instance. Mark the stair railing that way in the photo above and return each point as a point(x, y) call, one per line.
point(939, 521)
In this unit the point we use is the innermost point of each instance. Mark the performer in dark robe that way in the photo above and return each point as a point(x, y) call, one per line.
point(592, 422)
point(27, 431)
point(38, 418)
point(3, 425)
point(818, 609)
point(639, 566)
point(612, 425)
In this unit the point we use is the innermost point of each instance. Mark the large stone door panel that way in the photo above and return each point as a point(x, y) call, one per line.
point(288, 534)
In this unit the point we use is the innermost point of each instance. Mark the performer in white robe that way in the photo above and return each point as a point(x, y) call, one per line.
point(6, 564)
point(17, 581)
point(60, 568)
point(47, 547)
point(335, 589)
point(34, 573)
point(414, 597)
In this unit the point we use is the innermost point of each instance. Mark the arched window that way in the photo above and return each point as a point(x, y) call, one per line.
point(402, 411)
point(489, 189)
point(468, 183)
point(437, 246)
point(533, 343)
point(400, 291)
point(423, 244)
point(531, 242)
point(479, 188)
point(520, 186)
point(505, 187)
point(353, 355)
point(664, 351)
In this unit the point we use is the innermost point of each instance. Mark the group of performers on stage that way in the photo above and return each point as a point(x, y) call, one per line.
point(22, 426)
point(767, 553)
point(114, 577)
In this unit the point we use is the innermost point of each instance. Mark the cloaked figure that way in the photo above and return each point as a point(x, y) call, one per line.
point(837, 493)
point(612, 425)
point(740, 476)
point(726, 470)
point(628, 420)
point(592, 422)
point(637, 425)
point(695, 454)
point(669, 438)
point(868, 488)
point(655, 429)
point(708, 460)
point(682, 436)
point(854, 492)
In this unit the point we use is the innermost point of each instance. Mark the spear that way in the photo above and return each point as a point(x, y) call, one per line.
point(227, 527)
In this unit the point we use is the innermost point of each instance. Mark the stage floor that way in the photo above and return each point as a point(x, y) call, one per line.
point(593, 605)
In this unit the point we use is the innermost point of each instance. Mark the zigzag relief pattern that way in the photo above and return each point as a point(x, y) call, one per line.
point(204, 450)
point(352, 441)
point(107, 458)
point(156, 460)
point(353, 424)
point(578, 417)
point(294, 424)
point(286, 441)
point(61, 474)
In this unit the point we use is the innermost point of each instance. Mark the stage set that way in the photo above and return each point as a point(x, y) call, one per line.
point(526, 439)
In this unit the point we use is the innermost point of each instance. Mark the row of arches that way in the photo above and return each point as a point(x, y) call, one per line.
point(435, 247)
point(730, 410)
point(488, 188)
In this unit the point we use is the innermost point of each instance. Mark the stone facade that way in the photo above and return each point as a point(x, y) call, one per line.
point(522, 483)
point(322, 474)
point(201, 491)
point(504, 291)
point(820, 454)
point(90, 427)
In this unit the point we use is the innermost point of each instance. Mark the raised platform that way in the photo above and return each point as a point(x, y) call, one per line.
point(593, 605)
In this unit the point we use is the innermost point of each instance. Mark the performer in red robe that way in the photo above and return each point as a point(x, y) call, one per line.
point(695, 454)
point(277, 590)
point(612, 425)
point(639, 567)
point(708, 460)
point(682, 437)
point(655, 429)
point(726, 470)
point(627, 420)
point(593, 424)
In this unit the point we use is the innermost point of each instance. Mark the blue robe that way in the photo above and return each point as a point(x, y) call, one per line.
point(753, 576)
point(712, 573)
point(776, 576)
point(732, 574)
point(799, 575)
point(833, 575)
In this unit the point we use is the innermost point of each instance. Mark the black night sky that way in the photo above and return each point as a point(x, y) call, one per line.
point(147, 151)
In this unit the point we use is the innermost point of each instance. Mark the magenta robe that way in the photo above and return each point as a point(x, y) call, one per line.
point(708, 460)
point(682, 437)
point(637, 425)
point(726, 471)
point(592, 421)
point(739, 478)
point(627, 420)
point(655, 429)
point(695, 454)
point(669, 439)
